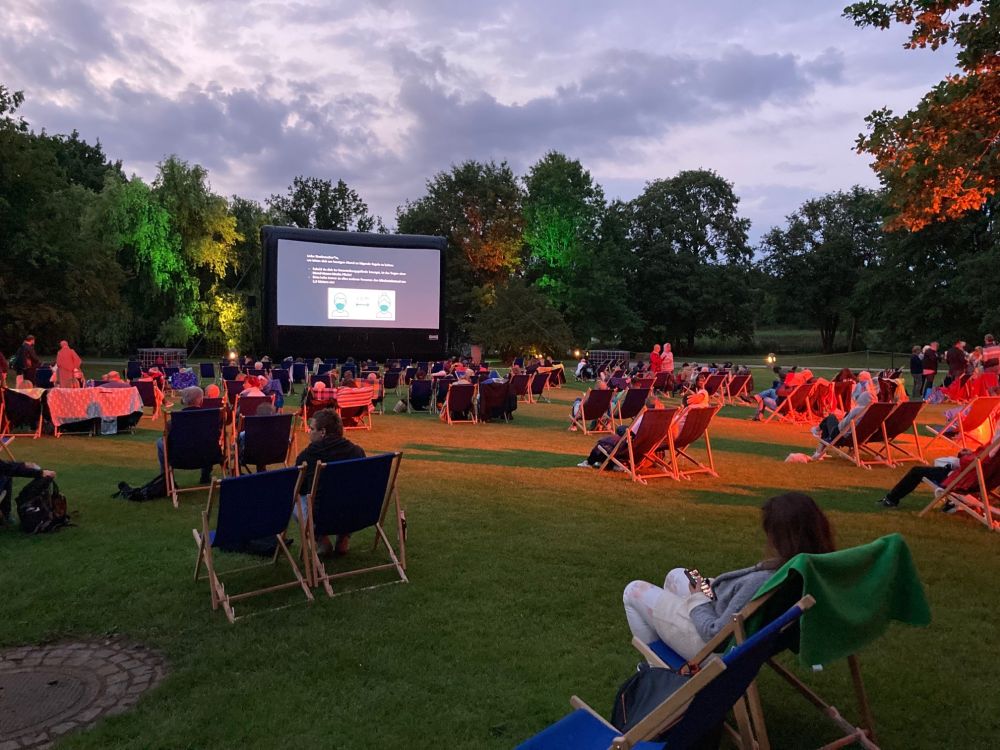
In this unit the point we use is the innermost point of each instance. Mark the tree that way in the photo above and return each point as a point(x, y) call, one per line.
point(941, 159)
point(85, 165)
point(818, 260)
point(520, 319)
point(477, 207)
point(688, 243)
point(314, 203)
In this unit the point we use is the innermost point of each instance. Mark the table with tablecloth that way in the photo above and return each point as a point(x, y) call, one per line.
point(79, 404)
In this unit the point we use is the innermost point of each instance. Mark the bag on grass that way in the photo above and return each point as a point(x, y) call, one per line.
point(154, 489)
point(41, 507)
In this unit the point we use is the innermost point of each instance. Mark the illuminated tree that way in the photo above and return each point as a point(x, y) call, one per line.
point(941, 159)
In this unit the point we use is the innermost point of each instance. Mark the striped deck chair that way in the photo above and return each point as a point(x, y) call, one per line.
point(690, 715)
point(459, 404)
point(21, 409)
point(594, 407)
point(637, 451)
point(191, 440)
point(737, 387)
point(795, 406)
point(631, 404)
point(978, 414)
point(347, 497)
point(693, 428)
point(901, 421)
point(251, 507)
point(867, 427)
point(538, 385)
point(976, 489)
point(266, 440)
point(150, 395)
point(354, 405)
point(715, 387)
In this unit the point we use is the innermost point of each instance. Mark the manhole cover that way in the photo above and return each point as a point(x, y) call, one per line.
point(47, 691)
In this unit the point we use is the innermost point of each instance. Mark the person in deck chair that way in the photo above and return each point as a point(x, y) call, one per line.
point(191, 398)
point(596, 457)
point(689, 610)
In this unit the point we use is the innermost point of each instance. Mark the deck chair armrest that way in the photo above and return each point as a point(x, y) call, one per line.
point(648, 654)
point(576, 702)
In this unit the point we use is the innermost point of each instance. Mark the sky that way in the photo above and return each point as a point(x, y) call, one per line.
point(385, 94)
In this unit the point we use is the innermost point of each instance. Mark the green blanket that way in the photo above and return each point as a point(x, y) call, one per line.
point(857, 591)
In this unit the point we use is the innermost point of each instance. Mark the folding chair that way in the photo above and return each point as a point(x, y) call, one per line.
point(251, 507)
point(867, 427)
point(206, 371)
point(311, 406)
point(282, 376)
point(539, 383)
point(43, 377)
point(979, 414)
point(494, 401)
point(347, 497)
point(150, 396)
point(636, 453)
point(233, 388)
point(902, 420)
point(842, 390)
point(631, 405)
point(6, 440)
point(409, 374)
point(391, 382)
point(421, 391)
point(694, 427)
point(459, 400)
point(974, 490)
point(246, 406)
point(715, 387)
point(822, 400)
point(212, 403)
point(229, 372)
point(266, 440)
point(521, 386)
point(643, 382)
point(21, 408)
point(191, 440)
point(688, 716)
point(795, 406)
point(324, 377)
point(595, 407)
point(738, 386)
point(354, 405)
point(663, 382)
point(133, 370)
point(298, 372)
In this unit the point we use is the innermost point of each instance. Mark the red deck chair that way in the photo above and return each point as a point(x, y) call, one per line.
point(637, 453)
point(715, 387)
point(984, 385)
point(643, 382)
point(957, 390)
point(631, 405)
point(867, 427)
point(842, 390)
point(595, 407)
point(902, 420)
point(795, 407)
point(664, 382)
point(981, 411)
point(822, 400)
point(694, 428)
point(975, 489)
point(458, 401)
point(738, 385)
point(354, 405)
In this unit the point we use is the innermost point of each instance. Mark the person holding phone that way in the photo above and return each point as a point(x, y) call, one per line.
point(689, 609)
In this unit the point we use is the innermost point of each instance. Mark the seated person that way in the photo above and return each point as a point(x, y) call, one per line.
point(9, 470)
point(191, 399)
point(326, 443)
point(263, 410)
point(252, 386)
point(831, 429)
point(940, 475)
point(597, 456)
point(377, 390)
point(213, 391)
point(273, 388)
point(113, 379)
point(583, 370)
point(420, 402)
point(688, 610)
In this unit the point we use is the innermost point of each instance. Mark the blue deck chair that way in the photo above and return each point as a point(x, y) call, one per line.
point(232, 389)
point(266, 440)
point(298, 372)
point(408, 374)
point(191, 440)
point(539, 383)
point(43, 377)
point(324, 377)
point(696, 708)
point(169, 372)
point(631, 405)
point(212, 403)
point(282, 376)
point(252, 507)
point(133, 369)
point(229, 372)
point(349, 496)
point(405, 362)
point(421, 395)
point(147, 392)
point(391, 382)
point(20, 409)
point(207, 371)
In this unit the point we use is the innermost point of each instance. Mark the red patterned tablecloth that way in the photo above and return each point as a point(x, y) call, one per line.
point(76, 404)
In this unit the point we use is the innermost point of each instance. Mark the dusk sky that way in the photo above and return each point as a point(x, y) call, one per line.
point(385, 94)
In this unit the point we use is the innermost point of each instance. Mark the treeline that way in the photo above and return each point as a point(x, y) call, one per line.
point(541, 261)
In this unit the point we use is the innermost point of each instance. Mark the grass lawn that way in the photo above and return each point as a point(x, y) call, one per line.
point(517, 561)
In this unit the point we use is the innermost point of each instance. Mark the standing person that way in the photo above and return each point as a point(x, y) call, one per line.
point(667, 361)
point(655, 360)
point(991, 354)
point(917, 373)
point(27, 362)
point(957, 359)
point(930, 365)
point(67, 363)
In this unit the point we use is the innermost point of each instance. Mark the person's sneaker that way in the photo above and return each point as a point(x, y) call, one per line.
point(949, 507)
point(584, 464)
point(885, 502)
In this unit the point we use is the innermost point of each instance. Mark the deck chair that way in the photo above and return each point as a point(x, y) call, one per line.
point(251, 507)
point(284, 377)
point(232, 388)
point(521, 386)
point(539, 383)
point(150, 396)
point(229, 372)
point(842, 390)
point(43, 377)
point(133, 370)
point(822, 400)
point(21, 409)
point(974, 490)
point(637, 453)
point(460, 399)
point(860, 591)
point(191, 440)
point(312, 406)
point(212, 403)
point(738, 386)
point(694, 428)
point(980, 413)
point(494, 401)
point(423, 392)
point(324, 377)
point(688, 716)
point(631, 405)
point(246, 406)
point(643, 382)
point(902, 420)
point(354, 405)
point(663, 382)
point(391, 382)
point(298, 372)
point(795, 407)
point(347, 497)
point(866, 428)
point(595, 407)
point(715, 387)
point(266, 440)
point(206, 370)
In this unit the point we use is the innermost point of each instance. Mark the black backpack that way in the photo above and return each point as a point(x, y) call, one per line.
point(41, 506)
point(154, 489)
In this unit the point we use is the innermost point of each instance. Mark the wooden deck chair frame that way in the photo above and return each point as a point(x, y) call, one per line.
point(648, 465)
point(5, 426)
point(604, 422)
point(985, 507)
point(220, 598)
point(717, 391)
point(157, 399)
point(238, 462)
point(892, 450)
point(5, 441)
point(738, 385)
point(537, 396)
point(800, 398)
point(316, 572)
point(981, 411)
point(430, 400)
point(446, 410)
point(872, 422)
point(168, 471)
point(356, 401)
point(673, 452)
point(616, 413)
point(524, 396)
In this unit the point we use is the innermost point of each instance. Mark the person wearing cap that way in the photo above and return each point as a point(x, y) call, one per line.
point(67, 361)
